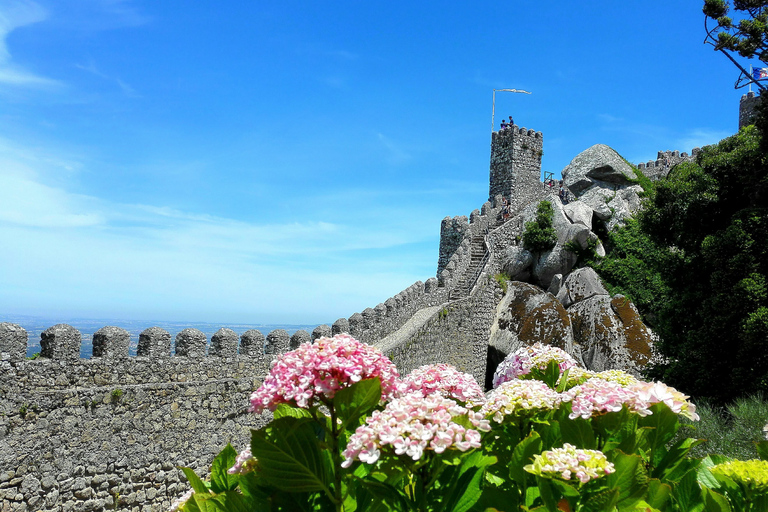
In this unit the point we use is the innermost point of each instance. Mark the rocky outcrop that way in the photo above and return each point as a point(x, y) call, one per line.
point(610, 334)
point(581, 284)
point(605, 182)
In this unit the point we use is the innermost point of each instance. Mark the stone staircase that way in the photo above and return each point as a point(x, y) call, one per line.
point(477, 260)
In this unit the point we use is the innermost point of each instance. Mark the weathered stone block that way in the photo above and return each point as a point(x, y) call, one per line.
point(278, 342)
point(299, 337)
point(111, 342)
point(252, 343)
point(322, 331)
point(191, 343)
point(13, 342)
point(224, 343)
point(340, 326)
point(154, 342)
point(61, 342)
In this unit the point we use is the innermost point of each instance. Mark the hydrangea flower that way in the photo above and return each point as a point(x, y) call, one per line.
point(245, 462)
point(571, 463)
point(655, 392)
point(752, 475)
point(411, 424)
point(179, 502)
point(300, 377)
point(518, 397)
point(597, 396)
point(524, 359)
point(443, 379)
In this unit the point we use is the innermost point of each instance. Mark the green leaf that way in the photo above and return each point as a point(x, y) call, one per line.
point(630, 478)
point(284, 410)
point(687, 493)
point(549, 494)
point(465, 493)
point(658, 495)
point(522, 455)
point(664, 423)
point(714, 501)
point(357, 401)
point(385, 493)
point(253, 487)
point(221, 480)
point(604, 501)
point(762, 449)
point(579, 433)
point(198, 485)
point(675, 457)
point(232, 501)
point(703, 474)
point(289, 456)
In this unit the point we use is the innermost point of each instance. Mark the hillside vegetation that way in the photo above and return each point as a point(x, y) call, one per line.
point(695, 262)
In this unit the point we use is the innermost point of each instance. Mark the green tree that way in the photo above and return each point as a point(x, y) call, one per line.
point(539, 235)
point(711, 218)
point(746, 34)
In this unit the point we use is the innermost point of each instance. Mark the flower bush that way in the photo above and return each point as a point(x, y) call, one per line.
point(349, 434)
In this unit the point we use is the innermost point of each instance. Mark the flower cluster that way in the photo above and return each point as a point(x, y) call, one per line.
point(597, 396)
point(750, 474)
point(179, 502)
point(443, 379)
point(320, 369)
point(765, 429)
point(569, 461)
point(655, 392)
point(523, 360)
point(411, 424)
point(245, 462)
point(518, 397)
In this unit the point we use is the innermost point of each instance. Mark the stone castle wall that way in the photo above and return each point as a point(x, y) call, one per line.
point(747, 109)
point(515, 163)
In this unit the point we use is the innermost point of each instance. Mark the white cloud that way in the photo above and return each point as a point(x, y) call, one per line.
point(15, 14)
point(127, 89)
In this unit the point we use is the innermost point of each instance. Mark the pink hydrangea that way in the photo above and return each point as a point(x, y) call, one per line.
point(411, 424)
point(655, 392)
point(597, 396)
point(179, 502)
point(519, 397)
point(443, 379)
point(571, 463)
point(245, 462)
point(524, 359)
point(318, 370)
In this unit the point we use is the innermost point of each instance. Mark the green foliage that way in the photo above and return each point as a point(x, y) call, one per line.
point(117, 394)
point(631, 267)
point(33, 356)
point(503, 280)
point(744, 34)
point(732, 431)
point(712, 219)
point(539, 235)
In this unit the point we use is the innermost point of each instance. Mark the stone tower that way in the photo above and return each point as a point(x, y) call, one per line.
point(516, 164)
point(747, 108)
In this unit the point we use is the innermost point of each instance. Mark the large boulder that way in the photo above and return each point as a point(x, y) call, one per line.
point(517, 263)
point(579, 213)
point(611, 334)
point(527, 315)
point(605, 182)
point(581, 284)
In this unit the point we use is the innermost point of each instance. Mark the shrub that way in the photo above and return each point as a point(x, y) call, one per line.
point(539, 235)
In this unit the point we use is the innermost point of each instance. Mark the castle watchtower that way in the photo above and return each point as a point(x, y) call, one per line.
point(516, 164)
point(747, 108)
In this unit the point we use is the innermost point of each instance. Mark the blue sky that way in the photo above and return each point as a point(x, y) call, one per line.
point(290, 162)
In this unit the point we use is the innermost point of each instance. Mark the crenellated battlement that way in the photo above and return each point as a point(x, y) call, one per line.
point(665, 161)
point(515, 163)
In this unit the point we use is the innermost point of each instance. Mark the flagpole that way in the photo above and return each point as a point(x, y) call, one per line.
point(752, 76)
point(493, 108)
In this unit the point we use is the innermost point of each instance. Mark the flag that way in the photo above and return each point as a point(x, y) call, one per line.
point(760, 73)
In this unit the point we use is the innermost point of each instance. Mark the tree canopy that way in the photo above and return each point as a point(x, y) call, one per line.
point(745, 33)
